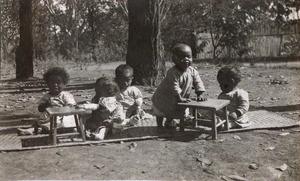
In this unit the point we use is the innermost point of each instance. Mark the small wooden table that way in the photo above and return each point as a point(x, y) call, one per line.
point(212, 105)
point(65, 111)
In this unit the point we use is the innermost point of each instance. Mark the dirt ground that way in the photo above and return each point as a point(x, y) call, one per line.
point(190, 157)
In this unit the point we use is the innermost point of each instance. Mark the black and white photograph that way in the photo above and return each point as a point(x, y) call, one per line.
point(150, 90)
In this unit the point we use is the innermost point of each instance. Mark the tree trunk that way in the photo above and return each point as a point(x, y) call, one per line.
point(0, 39)
point(145, 51)
point(24, 52)
point(91, 20)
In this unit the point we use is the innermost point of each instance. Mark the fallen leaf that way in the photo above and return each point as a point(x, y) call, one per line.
point(99, 166)
point(282, 167)
point(269, 148)
point(208, 171)
point(237, 177)
point(284, 134)
point(253, 166)
point(220, 140)
point(58, 153)
point(132, 146)
point(225, 178)
point(204, 161)
point(237, 137)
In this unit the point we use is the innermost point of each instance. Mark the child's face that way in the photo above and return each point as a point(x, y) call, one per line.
point(55, 84)
point(105, 90)
point(183, 58)
point(125, 80)
point(226, 84)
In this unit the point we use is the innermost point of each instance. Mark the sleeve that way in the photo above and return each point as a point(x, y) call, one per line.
point(95, 100)
point(243, 102)
point(197, 82)
point(68, 99)
point(138, 97)
point(173, 81)
point(118, 114)
point(44, 103)
point(44, 99)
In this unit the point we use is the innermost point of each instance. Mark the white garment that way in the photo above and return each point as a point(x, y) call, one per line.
point(64, 98)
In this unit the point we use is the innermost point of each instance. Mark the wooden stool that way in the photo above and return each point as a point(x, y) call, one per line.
point(212, 105)
point(65, 111)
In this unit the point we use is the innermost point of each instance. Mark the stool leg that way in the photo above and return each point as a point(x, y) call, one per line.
point(80, 127)
point(196, 117)
point(54, 125)
point(77, 123)
point(226, 117)
point(51, 127)
point(214, 125)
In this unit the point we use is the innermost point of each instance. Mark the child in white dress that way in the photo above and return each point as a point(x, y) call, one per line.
point(56, 79)
point(176, 87)
point(106, 110)
point(228, 78)
point(129, 96)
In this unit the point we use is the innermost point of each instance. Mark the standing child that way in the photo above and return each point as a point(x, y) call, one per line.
point(129, 96)
point(228, 78)
point(106, 110)
point(176, 87)
point(56, 79)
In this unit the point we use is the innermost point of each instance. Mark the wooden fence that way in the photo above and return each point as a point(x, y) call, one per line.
point(268, 41)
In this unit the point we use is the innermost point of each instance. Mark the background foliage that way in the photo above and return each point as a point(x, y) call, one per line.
point(96, 30)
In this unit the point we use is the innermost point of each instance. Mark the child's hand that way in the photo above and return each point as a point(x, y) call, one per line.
point(233, 116)
point(184, 99)
point(201, 98)
point(80, 106)
point(42, 107)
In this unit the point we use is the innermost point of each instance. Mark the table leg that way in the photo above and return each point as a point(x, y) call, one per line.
point(51, 127)
point(214, 125)
point(226, 117)
point(196, 117)
point(54, 128)
point(76, 122)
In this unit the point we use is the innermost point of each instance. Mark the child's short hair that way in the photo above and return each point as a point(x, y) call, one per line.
point(230, 72)
point(178, 46)
point(122, 70)
point(57, 71)
point(107, 85)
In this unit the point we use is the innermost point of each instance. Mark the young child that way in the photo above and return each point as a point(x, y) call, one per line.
point(129, 96)
point(228, 78)
point(56, 79)
point(106, 110)
point(176, 87)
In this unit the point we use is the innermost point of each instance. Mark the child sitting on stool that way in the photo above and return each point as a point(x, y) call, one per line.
point(56, 79)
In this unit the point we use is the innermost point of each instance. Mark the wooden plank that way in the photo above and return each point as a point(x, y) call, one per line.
point(66, 111)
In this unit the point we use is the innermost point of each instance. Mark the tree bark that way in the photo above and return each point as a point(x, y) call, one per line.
point(145, 52)
point(24, 52)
